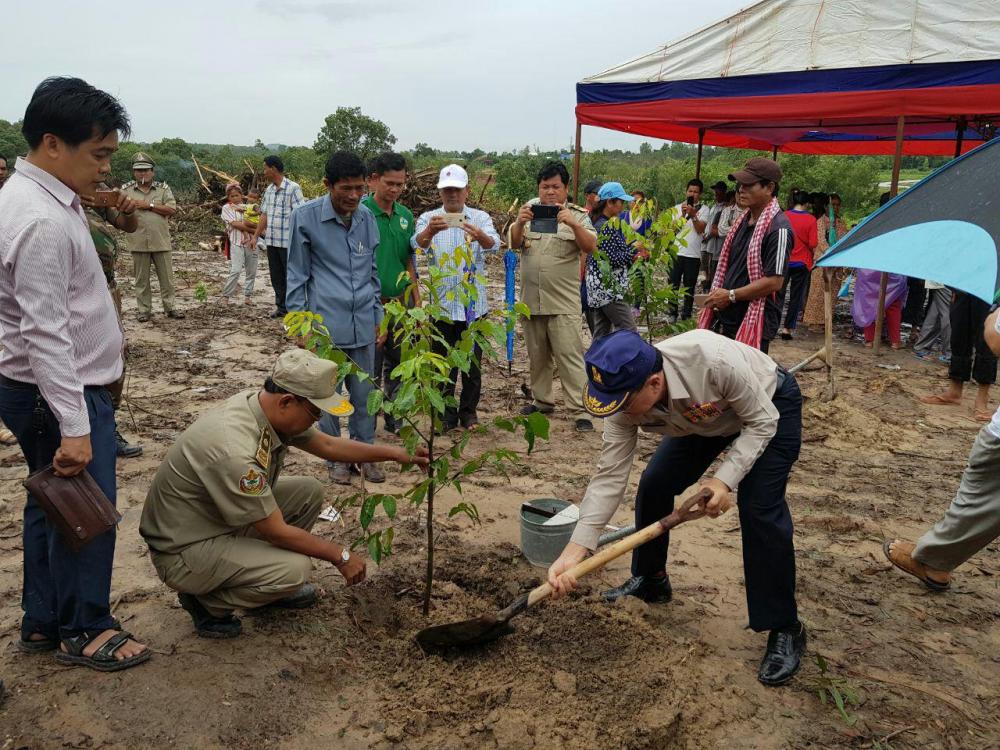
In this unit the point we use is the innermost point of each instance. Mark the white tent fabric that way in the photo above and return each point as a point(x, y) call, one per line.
point(775, 36)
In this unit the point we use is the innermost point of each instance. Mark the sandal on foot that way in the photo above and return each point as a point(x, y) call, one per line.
point(938, 400)
point(981, 416)
point(902, 558)
point(103, 659)
point(37, 646)
point(205, 624)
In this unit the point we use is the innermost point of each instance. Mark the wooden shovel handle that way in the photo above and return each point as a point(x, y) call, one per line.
point(693, 508)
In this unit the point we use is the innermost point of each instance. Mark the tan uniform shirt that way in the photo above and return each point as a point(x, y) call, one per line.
point(715, 386)
point(550, 268)
point(153, 234)
point(217, 477)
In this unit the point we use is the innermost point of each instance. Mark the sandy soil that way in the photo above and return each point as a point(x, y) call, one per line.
point(577, 673)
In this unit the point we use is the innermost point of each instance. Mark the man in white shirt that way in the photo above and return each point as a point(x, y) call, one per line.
point(440, 239)
point(688, 261)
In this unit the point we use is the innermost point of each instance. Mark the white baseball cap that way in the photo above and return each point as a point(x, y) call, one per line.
point(453, 176)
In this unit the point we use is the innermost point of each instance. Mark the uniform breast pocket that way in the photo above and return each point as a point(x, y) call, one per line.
point(360, 249)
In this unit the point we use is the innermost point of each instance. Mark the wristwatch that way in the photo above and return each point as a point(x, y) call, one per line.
point(151, 205)
point(345, 556)
point(732, 296)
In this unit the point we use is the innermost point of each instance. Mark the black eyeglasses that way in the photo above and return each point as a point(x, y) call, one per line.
point(311, 409)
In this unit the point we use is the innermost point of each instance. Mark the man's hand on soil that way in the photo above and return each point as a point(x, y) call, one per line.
point(354, 570)
point(722, 498)
point(560, 579)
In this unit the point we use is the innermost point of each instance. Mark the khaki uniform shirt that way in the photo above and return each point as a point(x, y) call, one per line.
point(550, 268)
point(101, 222)
point(217, 477)
point(715, 386)
point(153, 234)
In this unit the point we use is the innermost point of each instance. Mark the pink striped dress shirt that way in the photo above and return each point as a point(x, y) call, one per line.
point(58, 325)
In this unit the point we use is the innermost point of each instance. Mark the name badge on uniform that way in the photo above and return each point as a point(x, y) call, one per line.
point(699, 412)
point(263, 456)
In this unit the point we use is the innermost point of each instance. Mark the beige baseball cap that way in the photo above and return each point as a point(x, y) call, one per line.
point(304, 374)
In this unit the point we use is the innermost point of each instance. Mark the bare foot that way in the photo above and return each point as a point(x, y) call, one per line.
point(128, 649)
point(941, 399)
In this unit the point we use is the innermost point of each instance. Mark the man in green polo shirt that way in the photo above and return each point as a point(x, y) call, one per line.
point(393, 256)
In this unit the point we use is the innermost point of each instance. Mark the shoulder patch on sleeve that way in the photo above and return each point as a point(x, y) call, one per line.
point(253, 482)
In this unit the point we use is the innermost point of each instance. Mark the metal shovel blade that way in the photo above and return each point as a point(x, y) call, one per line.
point(485, 629)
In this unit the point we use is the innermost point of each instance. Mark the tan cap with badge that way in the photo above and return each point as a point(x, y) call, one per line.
point(304, 374)
point(141, 161)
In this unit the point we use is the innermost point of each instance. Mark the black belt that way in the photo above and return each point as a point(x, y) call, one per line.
point(11, 383)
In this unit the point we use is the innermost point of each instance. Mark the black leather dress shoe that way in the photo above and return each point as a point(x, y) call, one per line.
point(650, 589)
point(783, 656)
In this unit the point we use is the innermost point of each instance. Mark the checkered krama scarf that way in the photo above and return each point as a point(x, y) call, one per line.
point(752, 327)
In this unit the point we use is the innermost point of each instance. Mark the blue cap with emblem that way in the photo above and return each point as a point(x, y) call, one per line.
point(617, 365)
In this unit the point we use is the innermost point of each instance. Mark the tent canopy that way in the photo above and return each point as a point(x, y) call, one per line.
point(815, 77)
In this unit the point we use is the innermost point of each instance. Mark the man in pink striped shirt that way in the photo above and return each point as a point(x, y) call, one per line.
point(62, 344)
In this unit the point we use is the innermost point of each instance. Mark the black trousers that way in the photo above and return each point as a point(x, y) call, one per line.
point(967, 315)
point(684, 273)
point(796, 286)
point(472, 381)
point(387, 359)
point(277, 266)
point(765, 521)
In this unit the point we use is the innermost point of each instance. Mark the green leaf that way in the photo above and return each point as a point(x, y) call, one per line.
point(504, 424)
point(539, 424)
point(436, 399)
point(389, 505)
point(368, 510)
point(468, 509)
point(375, 548)
point(375, 398)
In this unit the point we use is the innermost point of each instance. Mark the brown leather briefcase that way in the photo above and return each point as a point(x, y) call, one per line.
point(75, 505)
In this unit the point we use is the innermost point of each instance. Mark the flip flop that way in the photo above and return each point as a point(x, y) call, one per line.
point(901, 558)
point(937, 400)
point(981, 416)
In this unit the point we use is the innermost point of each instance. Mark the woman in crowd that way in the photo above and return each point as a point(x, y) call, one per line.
point(866, 293)
point(242, 250)
point(830, 227)
point(800, 262)
point(607, 310)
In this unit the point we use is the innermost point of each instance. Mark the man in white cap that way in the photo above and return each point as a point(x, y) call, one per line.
point(224, 529)
point(440, 232)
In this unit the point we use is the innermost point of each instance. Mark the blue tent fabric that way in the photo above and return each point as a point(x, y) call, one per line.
point(945, 228)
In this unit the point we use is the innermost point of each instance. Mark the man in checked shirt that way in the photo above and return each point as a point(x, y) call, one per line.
point(62, 346)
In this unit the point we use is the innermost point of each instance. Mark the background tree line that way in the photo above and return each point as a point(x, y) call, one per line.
point(662, 173)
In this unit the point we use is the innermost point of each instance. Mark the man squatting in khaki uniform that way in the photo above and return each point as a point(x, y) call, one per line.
point(550, 287)
point(223, 529)
point(150, 244)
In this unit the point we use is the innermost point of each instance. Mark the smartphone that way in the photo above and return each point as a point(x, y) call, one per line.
point(690, 200)
point(699, 300)
point(455, 221)
point(543, 218)
point(105, 198)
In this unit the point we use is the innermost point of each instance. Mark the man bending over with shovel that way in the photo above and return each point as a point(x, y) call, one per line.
point(705, 393)
point(223, 529)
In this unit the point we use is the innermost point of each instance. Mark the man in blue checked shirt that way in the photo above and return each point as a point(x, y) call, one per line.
point(434, 234)
point(332, 272)
point(280, 198)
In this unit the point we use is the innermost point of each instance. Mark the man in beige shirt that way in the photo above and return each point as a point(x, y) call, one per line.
point(550, 287)
point(150, 243)
point(705, 393)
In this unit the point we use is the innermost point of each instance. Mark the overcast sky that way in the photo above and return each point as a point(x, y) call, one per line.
point(452, 73)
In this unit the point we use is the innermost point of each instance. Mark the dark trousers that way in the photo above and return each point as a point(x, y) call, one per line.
point(614, 316)
point(64, 593)
point(916, 293)
point(277, 266)
point(472, 382)
point(796, 286)
point(684, 273)
point(967, 315)
point(387, 359)
point(765, 522)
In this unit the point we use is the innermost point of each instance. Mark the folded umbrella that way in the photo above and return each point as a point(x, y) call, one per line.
point(510, 263)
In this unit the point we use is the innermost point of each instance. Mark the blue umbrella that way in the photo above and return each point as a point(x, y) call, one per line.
point(510, 263)
point(946, 228)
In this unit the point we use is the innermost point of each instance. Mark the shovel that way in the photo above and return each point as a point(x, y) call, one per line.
point(488, 628)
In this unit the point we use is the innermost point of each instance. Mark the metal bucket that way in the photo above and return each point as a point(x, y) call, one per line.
point(543, 537)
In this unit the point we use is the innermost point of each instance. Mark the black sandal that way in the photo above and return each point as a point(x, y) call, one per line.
point(103, 659)
point(206, 625)
point(46, 644)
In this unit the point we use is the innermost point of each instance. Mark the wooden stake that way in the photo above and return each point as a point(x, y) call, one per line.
point(828, 292)
point(200, 176)
point(701, 144)
point(893, 189)
point(774, 153)
point(576, 164)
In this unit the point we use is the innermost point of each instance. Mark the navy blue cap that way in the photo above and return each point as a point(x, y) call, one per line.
point(617, 365)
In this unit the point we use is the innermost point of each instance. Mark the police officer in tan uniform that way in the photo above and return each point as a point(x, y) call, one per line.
point(224, 528)
point(102, 220)
point(550, 287)
point(150, 244)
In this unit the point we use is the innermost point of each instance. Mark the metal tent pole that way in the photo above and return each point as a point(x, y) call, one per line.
point(893, 189)
point(701, 144)
point(959, 136)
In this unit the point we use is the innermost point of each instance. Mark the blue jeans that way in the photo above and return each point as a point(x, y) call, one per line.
point(65, 592)
point(360, 425)
point(765, 522)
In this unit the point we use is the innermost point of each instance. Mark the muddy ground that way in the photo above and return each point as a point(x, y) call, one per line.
point(577, 673)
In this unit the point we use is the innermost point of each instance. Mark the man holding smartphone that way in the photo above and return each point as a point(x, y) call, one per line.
point(684, 272)
point(550, 287)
